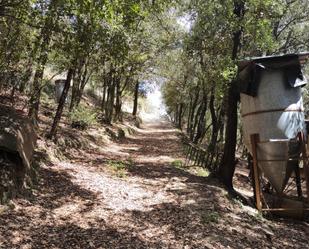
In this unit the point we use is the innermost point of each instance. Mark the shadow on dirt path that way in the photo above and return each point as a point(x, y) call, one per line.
point(81, 203)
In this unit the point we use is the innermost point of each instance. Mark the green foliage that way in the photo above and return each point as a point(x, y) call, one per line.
point(128, 40)
point(210, 217)
point(199, 71)
point(120, 168)
point(48, 89)
point(82, 117)
point(178, 164)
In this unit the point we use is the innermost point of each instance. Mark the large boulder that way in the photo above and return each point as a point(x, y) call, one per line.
point(17, 134)
point(17, 144)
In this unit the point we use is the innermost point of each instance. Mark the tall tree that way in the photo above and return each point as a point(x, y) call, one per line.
point(41, 48)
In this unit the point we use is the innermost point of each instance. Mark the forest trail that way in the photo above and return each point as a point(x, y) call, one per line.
point(129, 195)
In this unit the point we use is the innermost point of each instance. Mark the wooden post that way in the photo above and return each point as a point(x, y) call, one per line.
point(306, 166)
point(204, 162)
point(192, 156)
point(197, 156)
point(298, 182)
point(188, 155)
point(305, 160)
point(202, 158)
point(255, 138)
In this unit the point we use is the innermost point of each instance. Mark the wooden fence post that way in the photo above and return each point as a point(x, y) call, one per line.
point(255, 138)
point(305, 160)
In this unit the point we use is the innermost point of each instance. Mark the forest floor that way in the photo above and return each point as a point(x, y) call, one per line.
point(132, 193)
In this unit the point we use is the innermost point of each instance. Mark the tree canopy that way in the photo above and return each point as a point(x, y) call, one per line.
point(112, 46)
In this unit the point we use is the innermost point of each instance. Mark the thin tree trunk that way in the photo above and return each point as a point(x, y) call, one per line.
point(64, 95)
point(118, 100)
point(192, 115)
point(109, 107)
point(111, 103)
point(135, 103)
point(104, 93)
point(46, 33)
point(36, 91)
point(189, 115)
point(180, 113)
point(106, 109)
point(76, 84)
point(215, 125)
point(85, 79)
point(196, 119)
point(201, 122)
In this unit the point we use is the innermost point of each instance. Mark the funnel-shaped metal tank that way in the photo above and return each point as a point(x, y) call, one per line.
point(275, 162)
point(272, 106)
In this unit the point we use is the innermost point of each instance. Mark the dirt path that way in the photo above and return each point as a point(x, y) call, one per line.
point(84, 204)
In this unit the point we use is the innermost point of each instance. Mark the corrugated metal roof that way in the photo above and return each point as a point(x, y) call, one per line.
point(303, 56)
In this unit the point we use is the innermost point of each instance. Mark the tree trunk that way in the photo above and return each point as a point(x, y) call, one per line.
point(85, 78)
point(196, 119)
point(135, 104)
point(64, 95)
point(46, 34)
point(189, 115)
point(190, 129)
point(215, 123)
point(76, 84)
point(110, 104)
point(104, 93)
point(109, 107)
point(180, 113)
point(201, 122)
point(118, 100)
point(228, 163)
point(227, 166)
point(36, 91)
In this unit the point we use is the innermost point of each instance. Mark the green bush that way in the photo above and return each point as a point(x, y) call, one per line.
point(82, 117)
point(178, 164)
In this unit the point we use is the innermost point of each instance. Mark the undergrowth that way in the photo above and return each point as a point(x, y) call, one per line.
point(178, 164)
point(82, 117)
point(120, 168)
point(210, 217)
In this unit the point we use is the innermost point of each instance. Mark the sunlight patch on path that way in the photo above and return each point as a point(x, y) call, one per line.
point(115, 194)
point(165, 160)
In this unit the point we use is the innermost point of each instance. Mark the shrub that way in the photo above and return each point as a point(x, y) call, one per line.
point(82, 117)
point(178, 164)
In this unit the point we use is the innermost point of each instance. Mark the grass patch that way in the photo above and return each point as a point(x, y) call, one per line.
point(120, 168)
point(202, 172)
point(178, 164)
point(258, 217)
point(82, 117)
point(211, 217)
